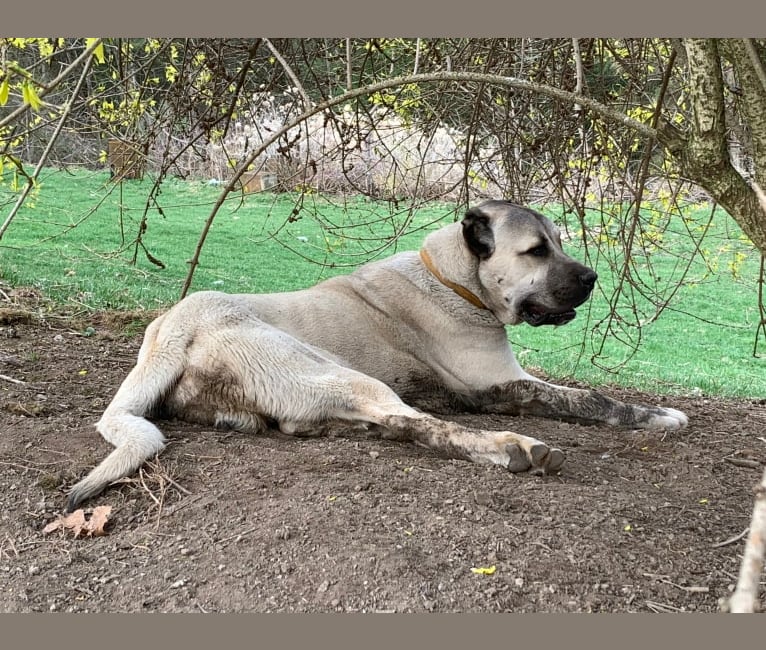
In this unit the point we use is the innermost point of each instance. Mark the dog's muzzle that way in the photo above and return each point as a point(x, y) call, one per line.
point(536, 314)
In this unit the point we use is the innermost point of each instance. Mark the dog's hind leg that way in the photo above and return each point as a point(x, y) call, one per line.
point(123, 423)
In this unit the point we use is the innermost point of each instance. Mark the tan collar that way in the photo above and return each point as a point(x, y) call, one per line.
point(459, 289)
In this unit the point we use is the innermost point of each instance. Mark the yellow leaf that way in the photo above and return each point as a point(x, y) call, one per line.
point(4, 90)
point(704, 501)
point(83, 372)
point(485, 571)
point(628, 528)
point(98, 52)
point(31, 97)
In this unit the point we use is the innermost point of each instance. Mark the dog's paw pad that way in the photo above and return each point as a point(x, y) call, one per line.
point(556, 460)
point(538, 453)
point(518, 459)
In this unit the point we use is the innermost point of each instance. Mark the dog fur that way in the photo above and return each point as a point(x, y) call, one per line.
point(417, 331)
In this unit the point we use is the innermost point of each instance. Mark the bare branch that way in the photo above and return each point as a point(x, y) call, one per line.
point(296, 82)
point(510, 82)
point(756, 61)
point(44, 158)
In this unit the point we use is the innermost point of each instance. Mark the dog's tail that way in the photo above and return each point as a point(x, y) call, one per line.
point(123, 423)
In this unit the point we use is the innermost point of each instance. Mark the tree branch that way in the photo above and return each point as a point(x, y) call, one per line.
point(53, 84)
point(744, 600)
point(434, 77)
point(44, 158)
point(290, 73)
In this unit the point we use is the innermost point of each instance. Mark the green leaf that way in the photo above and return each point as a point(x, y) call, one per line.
point(4, 90)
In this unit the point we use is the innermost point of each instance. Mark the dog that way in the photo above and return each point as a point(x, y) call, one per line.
point(386, 345)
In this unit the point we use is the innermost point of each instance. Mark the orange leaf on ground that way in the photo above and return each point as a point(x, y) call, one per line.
point(76, 522)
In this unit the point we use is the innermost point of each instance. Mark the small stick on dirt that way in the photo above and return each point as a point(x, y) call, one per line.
point(731, 540)
point(743, 462)
point(745, 596)
point(178, 487)
point(12, 380)
point(146, 488)
point(24, 467)
point(238, 535)
point(12, 547)
point(662, 608)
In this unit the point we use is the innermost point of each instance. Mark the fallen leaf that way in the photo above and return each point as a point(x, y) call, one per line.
point(98, 520)
point(74, 521)
point(79, 525)
point(485, 571)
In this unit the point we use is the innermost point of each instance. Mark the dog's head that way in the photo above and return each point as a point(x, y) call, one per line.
point(525, 273)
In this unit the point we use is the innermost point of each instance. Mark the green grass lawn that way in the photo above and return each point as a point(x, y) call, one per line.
point(75, 241)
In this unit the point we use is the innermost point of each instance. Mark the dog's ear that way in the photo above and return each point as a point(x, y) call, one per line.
point(478, 233)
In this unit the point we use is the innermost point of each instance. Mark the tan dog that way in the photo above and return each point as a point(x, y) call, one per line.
point(424, 328)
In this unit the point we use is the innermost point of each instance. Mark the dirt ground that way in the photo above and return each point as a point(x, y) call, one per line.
point(225, 522)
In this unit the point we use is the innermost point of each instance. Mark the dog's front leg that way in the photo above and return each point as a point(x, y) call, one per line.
point(530, 397)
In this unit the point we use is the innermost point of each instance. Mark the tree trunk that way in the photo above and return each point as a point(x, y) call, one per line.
point(704, 155)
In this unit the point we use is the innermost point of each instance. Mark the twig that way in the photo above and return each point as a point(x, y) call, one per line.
point(586, 102)
point(146, 488)
point(182, 504)
point(290, 73)
point(24, 467)
point(12, 546)
point(745, 596)
point(733, 539)
point(12, 380)
point(178, 487)
point(661, 608)
point(7, 119)
point(743, 462)
point(44, 158)
point(238, 535)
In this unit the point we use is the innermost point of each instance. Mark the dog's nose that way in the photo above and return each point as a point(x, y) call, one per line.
point(588, 279)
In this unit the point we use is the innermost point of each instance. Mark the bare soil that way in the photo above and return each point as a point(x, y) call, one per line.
point(225, 522)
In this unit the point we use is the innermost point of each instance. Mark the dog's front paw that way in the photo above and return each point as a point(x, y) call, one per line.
point(666, 418)
point(533, 456)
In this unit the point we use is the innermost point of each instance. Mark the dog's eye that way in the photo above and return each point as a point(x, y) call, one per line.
point(538, 251)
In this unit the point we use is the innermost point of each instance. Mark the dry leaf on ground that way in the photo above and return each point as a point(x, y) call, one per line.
point(79, 525)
